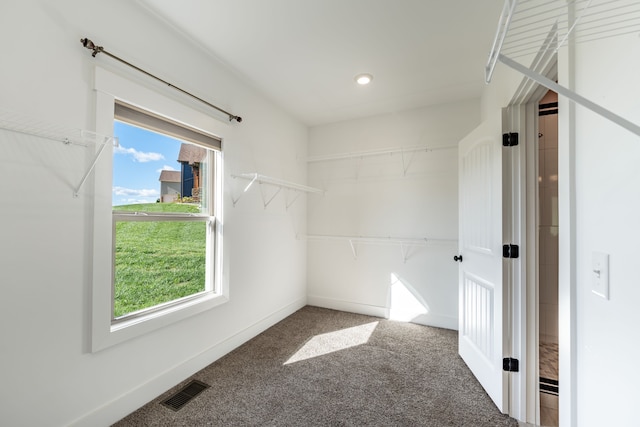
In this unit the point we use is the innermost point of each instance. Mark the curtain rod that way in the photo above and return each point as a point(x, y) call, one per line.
point(99, 49)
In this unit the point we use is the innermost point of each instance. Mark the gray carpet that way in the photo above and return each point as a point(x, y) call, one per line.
point(373, 372)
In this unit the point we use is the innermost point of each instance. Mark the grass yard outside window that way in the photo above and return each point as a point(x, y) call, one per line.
point(157, 261)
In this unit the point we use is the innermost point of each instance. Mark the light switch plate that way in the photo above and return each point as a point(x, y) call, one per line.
point(600, 275)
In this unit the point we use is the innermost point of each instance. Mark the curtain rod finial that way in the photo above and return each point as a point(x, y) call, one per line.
point(91, 46)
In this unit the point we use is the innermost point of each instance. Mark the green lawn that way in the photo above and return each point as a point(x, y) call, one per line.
point(157, 261)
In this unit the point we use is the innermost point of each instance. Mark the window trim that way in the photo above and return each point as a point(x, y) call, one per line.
point(111, 88)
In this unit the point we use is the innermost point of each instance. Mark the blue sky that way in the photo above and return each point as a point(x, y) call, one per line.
point(137, 163)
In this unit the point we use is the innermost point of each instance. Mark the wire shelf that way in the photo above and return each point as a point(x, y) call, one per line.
point(276, 182)
point(406, 243)
point(594, 20)
point(541, 27)
point(525, 25)
point(18, 123)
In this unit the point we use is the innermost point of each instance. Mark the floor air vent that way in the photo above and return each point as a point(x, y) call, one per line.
point(184, 396)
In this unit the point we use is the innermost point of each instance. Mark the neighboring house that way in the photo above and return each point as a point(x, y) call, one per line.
point(169, 185)
point(190, 157)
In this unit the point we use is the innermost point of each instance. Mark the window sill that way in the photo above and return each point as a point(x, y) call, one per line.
point(107, 334)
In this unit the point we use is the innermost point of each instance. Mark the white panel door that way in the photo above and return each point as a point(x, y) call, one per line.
point(480, 272)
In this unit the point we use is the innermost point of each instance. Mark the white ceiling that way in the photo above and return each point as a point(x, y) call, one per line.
point(304, 54)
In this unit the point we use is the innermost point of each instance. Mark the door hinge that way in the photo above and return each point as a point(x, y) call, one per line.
point(510, 251)
point(510, 365)
point(509, 139)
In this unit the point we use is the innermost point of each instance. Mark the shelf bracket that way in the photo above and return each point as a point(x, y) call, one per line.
point(407, 164)
point(266, 203)
point(578, 99)
point(358, 163)
point(76, 191)
point(508, 10)
point(244, 191)
point(295, 197)
point(84, 138)
point(404, 253)
point(353, 249)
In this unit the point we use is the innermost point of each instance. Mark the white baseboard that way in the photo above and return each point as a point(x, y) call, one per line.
point(120, 407)
point(351, 307)
point(436, 320)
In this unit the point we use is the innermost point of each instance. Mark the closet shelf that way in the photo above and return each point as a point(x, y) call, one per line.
point(542, 27)
point(67, 136)
point(405, 243)
point(381, 152)
point(276, 182)
point(406, 154)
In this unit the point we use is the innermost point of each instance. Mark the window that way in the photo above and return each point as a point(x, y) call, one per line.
point(157, 239)
point(162, 237)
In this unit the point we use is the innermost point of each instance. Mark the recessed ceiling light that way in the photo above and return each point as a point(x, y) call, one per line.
point(363, 79)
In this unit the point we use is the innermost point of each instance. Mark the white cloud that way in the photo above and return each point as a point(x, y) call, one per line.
point(136, 201)
point(166, 168)
point(139, 156)
point(122, 191)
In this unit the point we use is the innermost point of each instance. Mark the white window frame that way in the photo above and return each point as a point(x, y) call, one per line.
point(105, 331)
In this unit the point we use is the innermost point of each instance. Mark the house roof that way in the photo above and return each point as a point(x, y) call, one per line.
point(169, 176)
point(191, 154)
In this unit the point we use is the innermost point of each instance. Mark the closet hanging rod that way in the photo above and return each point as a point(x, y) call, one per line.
point(382, 152)
point(376, 239)
point(99, 49)
point(406, 244)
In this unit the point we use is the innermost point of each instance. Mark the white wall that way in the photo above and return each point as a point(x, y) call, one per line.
point(49, 376)
point(607, 205)
point(598, 202)
point(372, 197)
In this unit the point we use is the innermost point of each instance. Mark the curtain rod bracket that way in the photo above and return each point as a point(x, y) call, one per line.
point(99, 49)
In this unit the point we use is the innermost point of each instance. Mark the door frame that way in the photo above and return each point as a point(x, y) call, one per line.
point(522, 116)
point(519, 226)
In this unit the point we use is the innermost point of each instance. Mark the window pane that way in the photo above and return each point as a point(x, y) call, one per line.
point(151, 168)
point(157, 262)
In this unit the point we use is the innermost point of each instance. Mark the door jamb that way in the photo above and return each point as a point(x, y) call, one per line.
point(522, 116)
